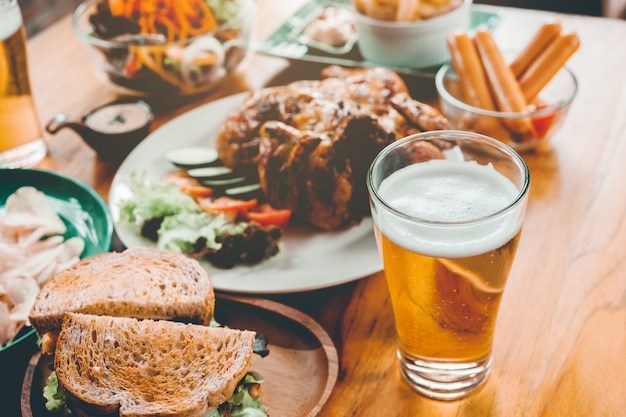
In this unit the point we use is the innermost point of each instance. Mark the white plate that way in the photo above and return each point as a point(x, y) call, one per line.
point(309, 259)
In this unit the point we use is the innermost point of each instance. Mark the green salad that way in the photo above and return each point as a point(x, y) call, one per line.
point(172, 219)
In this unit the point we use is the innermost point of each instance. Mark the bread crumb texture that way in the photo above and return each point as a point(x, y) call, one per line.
point(149, 367)
point(140, 282)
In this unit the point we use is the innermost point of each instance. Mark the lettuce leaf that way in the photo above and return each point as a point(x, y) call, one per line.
point(154, 199)
point(191, 232)
point(174, 221)
point(56, 400)
point(242, 403)
point(224, 10)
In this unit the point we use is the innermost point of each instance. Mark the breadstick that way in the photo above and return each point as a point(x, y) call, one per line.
point(504, 87)
point(547, 65)
point(468, 67)
point(377, 9)
point(537, 44)
point(407, 10)
point(473, 82)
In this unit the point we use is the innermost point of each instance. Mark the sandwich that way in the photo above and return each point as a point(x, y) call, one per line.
point(141, 282)
point(119, 366)
point(133, 334)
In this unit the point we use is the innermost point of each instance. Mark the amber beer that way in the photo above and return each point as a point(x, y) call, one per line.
point(447, 231)
point(20, 131)
point(446, 308)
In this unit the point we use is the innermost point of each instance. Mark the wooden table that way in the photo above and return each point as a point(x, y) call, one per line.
point(560, 345)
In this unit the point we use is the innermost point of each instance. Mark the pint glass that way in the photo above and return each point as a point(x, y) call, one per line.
point(447, 208)
point(21, 141)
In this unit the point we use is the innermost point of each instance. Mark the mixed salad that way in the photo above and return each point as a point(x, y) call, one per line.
point(181, 214)
point(170, 46)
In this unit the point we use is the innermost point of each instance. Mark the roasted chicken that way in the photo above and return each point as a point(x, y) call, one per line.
point(312, 141)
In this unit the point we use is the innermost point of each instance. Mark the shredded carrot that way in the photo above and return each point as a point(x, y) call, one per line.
point(152, 59)
point(178, 15)
point(117, 7)
point(129, 9)
point(206, 19)
point(176, 19)
point(170, 27)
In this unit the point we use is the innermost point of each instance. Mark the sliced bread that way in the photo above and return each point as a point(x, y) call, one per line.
point(140, 282)
point(148, 367)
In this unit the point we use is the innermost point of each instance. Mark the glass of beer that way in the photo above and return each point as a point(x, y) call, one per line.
point(447, 208)
point(21, 142)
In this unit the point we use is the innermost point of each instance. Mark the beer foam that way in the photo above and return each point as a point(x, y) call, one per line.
point(10, 21)
point(447, 197)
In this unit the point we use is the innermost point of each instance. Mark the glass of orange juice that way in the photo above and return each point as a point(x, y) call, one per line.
point(21, 142)
point(447, 208)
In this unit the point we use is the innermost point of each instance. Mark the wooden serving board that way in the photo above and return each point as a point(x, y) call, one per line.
point(299, 373)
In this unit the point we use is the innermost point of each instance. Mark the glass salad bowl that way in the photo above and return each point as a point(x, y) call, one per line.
point(165, 48)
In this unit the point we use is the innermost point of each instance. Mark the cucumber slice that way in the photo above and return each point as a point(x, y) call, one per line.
point(192, 156)
point(245, 192)
point(205, 173)
point(225, 183)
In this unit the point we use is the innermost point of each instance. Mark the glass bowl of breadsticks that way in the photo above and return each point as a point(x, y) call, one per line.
point(408, 33)
point(519, 98)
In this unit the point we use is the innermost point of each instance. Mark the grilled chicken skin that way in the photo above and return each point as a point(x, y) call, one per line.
point(312, 141)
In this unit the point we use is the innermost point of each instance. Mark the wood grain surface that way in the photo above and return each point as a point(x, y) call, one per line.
point(560, 343)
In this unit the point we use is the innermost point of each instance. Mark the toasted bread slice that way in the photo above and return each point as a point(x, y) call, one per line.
point(148, 367)
point(139, 282)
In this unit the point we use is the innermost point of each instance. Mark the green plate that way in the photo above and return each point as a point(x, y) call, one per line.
point(80, 207)
point(287, 41)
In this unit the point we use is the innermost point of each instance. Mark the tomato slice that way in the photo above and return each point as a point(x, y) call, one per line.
point(132, 65)
point(266, 215)
point(226, 204)
point(542, 124)
point(187, 184)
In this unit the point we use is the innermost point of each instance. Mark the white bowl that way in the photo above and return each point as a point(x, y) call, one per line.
point(416, 44)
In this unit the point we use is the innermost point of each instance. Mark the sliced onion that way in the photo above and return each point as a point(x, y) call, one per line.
point(202, 44)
